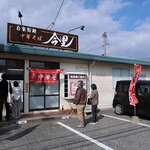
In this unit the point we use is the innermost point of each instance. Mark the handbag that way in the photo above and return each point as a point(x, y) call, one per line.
point(89, 101)
point(9, 97)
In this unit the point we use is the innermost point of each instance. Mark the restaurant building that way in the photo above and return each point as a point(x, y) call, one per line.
point(47, 65)
point(18, 61)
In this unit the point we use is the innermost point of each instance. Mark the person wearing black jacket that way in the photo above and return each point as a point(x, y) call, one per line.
point(3, 96)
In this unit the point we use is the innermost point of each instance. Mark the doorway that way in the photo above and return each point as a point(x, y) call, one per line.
point(15, 72)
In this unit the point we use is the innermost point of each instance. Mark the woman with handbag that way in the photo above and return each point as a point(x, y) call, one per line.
point(17, 98)
point(95, 100)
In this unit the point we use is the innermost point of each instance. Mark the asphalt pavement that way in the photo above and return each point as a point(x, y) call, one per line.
point(112, 132)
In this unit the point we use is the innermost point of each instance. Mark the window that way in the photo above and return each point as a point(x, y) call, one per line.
point(120, 74)
point(51, 65)
point(70, 84)
point(143, 90)
point(37, 65)
point(36, 89)
point(51, 89)
point(18, 64)
point(66, 86)
point(2, 62)
point(123, 88)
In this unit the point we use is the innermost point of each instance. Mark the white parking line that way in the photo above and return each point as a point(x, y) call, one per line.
point(86, 137)
point(142, 124)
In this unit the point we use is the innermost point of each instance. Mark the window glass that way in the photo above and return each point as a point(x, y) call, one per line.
point(37, 65)
point(143, 90)
point(15, 64)
point(119, 88)
point(51, 89)
point(126, 89)
point(66, 86)
point(51, 101)
point(2, 62)
point(2, 70)
point(15, 74)
point(37, 102)
point(51, 65)
point(36, 89)
point(123, 88)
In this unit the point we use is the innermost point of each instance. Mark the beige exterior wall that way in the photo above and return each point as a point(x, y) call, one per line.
point(101, 76)
point(99, 73)
point(70, 66)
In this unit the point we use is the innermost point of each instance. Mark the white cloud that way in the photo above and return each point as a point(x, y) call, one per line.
point(73, 14)
point(108, 7)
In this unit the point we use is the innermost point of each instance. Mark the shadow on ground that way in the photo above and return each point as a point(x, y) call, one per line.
point(22, 133)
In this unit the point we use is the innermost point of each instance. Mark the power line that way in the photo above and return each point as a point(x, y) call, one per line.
point(53, 23)
point(130, 33)
point(119, 34)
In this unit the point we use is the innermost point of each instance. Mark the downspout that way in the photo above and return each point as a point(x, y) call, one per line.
point(90, 73)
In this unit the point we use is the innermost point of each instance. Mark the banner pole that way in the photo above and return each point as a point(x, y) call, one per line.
point(134, 110)
point(135, 119)
point(132, 94)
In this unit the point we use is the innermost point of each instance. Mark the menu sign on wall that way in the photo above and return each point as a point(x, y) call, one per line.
point(73, 79)
point(20, 34)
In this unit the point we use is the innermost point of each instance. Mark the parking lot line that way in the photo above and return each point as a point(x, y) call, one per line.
point(85, 136)
point(142, 124)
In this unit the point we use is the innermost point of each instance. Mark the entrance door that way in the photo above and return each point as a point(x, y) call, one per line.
point(44, 96)
point(14, 70)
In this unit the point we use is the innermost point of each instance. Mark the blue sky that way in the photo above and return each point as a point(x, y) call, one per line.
point(91, 4)
point(135, 13)
point(127, 23)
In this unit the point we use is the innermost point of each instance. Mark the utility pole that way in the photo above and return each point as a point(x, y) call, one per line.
point(105, 42)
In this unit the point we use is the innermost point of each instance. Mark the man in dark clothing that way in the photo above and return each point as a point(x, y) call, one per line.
point(80, 101)
point(3, 96)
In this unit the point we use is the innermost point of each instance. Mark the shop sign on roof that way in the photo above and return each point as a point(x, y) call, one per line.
point(26, 35)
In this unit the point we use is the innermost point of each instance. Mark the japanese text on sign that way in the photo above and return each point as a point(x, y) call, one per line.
point(20, 34)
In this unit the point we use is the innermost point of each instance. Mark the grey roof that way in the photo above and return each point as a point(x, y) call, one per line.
point(8, 48)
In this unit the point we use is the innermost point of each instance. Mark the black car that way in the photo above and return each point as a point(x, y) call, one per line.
point(121, 103)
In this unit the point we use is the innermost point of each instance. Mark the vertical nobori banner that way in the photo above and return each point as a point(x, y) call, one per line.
point(137, 72)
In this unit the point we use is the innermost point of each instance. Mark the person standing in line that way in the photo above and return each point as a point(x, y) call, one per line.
point(16, 97)
point(95, 99)
point(3, 96)
point(80, 101)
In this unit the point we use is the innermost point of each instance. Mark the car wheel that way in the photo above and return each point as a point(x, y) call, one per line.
point(118, 109)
